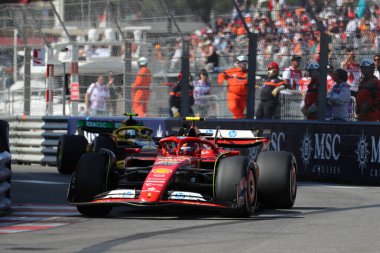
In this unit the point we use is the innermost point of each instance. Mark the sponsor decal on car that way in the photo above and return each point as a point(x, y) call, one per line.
point(127, 194)
point(162, 171)
point(179, 195)
point(151, 189)
point(159, 175)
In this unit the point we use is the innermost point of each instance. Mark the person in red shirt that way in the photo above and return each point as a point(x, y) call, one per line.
point(237, 79)
point(353, 70)
point(368, 96)
point(311, 98)
point(330, 78)
point(141, 89)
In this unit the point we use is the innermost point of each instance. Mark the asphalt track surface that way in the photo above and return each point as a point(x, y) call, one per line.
point(325, 218)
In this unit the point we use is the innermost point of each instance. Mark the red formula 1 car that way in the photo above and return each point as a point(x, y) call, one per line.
point(196, 169)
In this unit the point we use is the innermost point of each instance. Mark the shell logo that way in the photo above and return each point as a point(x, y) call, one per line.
point(162, 171)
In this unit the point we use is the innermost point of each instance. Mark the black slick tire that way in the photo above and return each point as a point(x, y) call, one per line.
point(104, 141)
point(277, 186)
point(235, 184)
point(89, 180)
point(70, 149)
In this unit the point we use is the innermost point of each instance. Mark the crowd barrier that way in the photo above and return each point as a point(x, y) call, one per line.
point(5, 168)
point(35, 139)
point(339, 151)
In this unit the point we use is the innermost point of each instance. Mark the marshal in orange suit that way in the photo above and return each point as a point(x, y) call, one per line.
point(141, 88)
point(237, 79)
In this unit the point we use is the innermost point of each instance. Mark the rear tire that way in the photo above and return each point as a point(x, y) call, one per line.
point(89, 180)
point(277, 186)
point(70, 149)
point(104, 141)
point(236, 184)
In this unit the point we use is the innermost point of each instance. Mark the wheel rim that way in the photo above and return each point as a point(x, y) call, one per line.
point(251, 186)
point(293, 182)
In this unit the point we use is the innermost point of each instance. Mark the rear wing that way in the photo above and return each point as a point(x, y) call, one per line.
point(97, 126)
point(237, 138)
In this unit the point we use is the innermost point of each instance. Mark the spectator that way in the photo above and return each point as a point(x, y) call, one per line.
point(175, 98)
point(330, 77)
point(8, 80)
point(114, 91)
point(376, 60)
point(212, 61)
point(269, 93)
point(368, 96)
point(96, 98)
point(237, 79)
point(141, 88)
point(292, 74)
point(311, 98)
point(202, 88)
point(352, 67)
point(338, 99)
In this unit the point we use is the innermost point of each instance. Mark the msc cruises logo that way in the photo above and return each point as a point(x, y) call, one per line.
point(306, 149)
point(362, 152)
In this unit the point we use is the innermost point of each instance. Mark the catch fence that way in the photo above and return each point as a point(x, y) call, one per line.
point(105, 38)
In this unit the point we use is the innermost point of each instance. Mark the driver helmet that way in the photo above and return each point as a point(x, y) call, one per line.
point(189, 148)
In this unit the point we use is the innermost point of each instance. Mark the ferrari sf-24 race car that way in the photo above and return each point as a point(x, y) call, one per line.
point(197, 169)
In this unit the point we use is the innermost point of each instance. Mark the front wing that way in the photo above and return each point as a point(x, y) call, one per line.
point(130, 197)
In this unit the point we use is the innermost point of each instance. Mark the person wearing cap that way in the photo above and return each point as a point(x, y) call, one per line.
point(292, 74)
point(338, 99)
point(237, 80)
point(175, 97)
point(368, 96)
point(269, 94)
point(311, 98)
point(141, 88)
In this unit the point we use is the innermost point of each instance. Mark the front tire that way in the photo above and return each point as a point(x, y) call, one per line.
point(277, 184)
point(89, 180)
point(235, 184)
point(70, 149)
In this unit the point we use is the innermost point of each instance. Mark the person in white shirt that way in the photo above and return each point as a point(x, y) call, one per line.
point(96, 98)
point(292, 75)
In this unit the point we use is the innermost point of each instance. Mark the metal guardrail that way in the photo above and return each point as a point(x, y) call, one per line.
point(35, 139)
